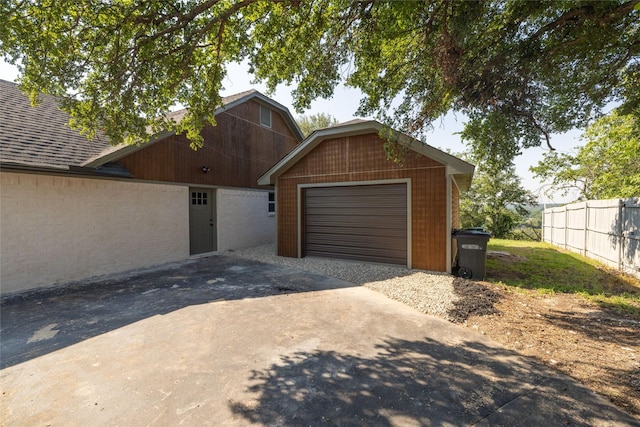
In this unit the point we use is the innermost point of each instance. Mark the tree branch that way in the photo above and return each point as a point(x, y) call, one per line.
point(572, 14)
point(186, 19)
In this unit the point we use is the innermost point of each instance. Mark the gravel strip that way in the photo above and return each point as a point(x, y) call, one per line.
point(428, 292)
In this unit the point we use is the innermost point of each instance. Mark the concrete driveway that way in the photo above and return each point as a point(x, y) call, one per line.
point(226, 341)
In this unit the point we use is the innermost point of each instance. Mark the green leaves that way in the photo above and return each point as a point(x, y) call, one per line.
point(496, 200)
point(121, 66)
point(521, 70)
point(608, 166)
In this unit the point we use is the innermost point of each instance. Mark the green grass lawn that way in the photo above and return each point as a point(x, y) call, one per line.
point(540, 266)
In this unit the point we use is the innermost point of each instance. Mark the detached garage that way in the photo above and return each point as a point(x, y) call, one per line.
point(338, 196)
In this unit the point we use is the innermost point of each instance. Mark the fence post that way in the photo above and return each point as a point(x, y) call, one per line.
point(553, 215)
point(550, 226)
point(619, 237)
point(566, 225)
point(586, 227)
point(543, 209)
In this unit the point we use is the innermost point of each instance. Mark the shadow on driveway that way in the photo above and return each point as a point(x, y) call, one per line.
point(419, 383)
point(39, 322)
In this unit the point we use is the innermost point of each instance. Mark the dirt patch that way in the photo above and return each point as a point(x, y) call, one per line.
point(565, 331)
point(474, 299)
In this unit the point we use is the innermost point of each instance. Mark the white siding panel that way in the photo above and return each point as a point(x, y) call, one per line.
point(243, 219)
point(603, 227)
point(575, 226)
point(57, 229)
point(558, 233)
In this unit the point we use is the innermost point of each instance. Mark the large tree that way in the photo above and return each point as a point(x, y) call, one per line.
point(520, 70)
point(496, 201)
point(607, 166)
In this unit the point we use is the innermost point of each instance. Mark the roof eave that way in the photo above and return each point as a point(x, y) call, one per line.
point(463, 180)
point(17, 166)
point(70, 170)
point(118, 151)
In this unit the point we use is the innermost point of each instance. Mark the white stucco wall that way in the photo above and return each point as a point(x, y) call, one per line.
point(243, 220)
point(56, 229)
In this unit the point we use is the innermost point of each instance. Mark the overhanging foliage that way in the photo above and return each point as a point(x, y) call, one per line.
point(520, 70)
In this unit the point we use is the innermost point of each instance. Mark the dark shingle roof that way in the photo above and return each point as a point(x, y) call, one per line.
point(40, 135)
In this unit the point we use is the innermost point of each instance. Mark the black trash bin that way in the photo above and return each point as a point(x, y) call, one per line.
point(472, 253)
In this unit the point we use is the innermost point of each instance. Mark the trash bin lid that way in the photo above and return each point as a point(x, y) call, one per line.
point(476, 231)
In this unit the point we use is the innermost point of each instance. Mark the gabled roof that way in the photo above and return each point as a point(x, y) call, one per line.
point(461, 170)
point(40, 136)
point(116, 152)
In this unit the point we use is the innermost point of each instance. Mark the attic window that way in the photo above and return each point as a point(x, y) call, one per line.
point(265, 116)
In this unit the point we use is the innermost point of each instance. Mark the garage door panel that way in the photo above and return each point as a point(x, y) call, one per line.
point(365, 213)
point(361, 203)
point(360, 221)
point(365, 223)
point(365, 197)
point(388, 232)
point(355, 241)
point(356, 254)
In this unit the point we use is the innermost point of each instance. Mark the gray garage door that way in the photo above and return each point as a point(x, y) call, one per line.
point(362, 223)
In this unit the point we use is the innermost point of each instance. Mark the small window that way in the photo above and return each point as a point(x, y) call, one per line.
point(198, 198)
point(265, 116)
point(272, 203)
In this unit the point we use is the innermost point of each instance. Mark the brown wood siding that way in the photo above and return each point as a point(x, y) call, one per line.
point(361, 223)
point(238, 151)
point(362, 158)
point(455, 215)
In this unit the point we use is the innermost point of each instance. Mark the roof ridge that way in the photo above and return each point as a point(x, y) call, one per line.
point(225, 100)
point(239, 94)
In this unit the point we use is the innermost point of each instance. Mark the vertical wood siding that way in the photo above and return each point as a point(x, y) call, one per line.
point(238, 150)
point(455, 206)
point(362, 158)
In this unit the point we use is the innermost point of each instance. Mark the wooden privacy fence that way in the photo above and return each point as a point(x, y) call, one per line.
point(605, 230)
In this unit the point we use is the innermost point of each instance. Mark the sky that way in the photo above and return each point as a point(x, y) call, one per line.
point(344, 104)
